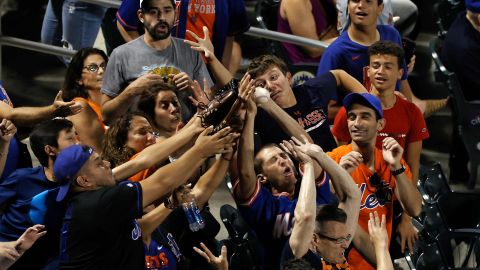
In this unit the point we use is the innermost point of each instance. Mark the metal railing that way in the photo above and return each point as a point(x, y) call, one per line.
point(55, 50)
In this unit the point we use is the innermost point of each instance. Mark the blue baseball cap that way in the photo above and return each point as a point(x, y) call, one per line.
point(473, 5)
point(66, 166)
point(364, 98)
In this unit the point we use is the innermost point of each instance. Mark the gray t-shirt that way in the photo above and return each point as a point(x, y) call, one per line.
point(136, 58)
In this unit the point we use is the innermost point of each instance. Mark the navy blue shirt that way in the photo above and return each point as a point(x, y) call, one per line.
point(461, 54)
point(16, 192)
point(311, 113)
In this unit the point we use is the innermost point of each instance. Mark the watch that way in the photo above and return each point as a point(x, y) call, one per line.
point(399, 171)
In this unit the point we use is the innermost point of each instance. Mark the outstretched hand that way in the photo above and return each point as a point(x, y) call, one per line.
point(219, 263)
point(218, 143)
point(377, 230)
point(28, 238)
point(203, 45)
point(64, 109)
point(295, 151)
point(200, 97)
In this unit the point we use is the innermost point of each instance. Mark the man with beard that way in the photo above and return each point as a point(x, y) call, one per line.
point(150, 59)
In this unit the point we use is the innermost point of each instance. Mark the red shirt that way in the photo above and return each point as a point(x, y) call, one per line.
point(404, 123)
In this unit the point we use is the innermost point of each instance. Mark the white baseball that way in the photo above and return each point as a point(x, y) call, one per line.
point(261, 95)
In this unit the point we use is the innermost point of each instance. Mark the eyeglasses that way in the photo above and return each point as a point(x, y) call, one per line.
point(94, 67)
point(382, 193)
point(337, 241)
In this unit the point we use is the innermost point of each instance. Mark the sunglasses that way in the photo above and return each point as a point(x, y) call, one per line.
point(382, 193)
point(94, 67)
point(337, 241)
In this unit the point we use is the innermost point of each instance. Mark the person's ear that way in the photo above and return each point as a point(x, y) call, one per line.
point(82, 181)
point(381, 124)
point(140, 16)
point(289, 77)
point(51, 151)
point(262, 178)
point(400, 74)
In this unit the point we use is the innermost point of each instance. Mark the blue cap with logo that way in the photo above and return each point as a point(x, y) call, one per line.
point(364, 98)
point(473, 5)
point(66, 166)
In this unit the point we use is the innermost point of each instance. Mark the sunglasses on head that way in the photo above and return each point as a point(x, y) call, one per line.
point(382, 193)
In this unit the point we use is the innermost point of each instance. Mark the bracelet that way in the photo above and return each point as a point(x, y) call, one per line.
point(399, 171)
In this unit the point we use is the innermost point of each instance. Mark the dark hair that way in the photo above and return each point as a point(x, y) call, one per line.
point(46, 133)
point(114, 149)
point(147, 5)
point(261, 64)
point(148, 99)
point(328, 212)
point(379, 2)
point(385, 47)
point(71, 89)
point(297, 264)
point(258, 162)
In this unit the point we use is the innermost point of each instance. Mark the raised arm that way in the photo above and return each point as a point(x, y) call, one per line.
point(247, 179)
point(29, 116)
point(168, 177)
point(305, 210)
point(345, 188)
point(348, 82)
point(406, 192)
point(204, 45)
point(158, 152)
point(379, 238)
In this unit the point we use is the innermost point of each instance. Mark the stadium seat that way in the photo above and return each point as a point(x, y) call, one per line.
point(466, 114)
point(445, 12)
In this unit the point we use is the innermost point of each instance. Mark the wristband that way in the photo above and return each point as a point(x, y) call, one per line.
point(169, 204)
point(399, 171)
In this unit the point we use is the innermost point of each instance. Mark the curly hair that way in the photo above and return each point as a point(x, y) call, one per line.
point(71, 89)
point(114, 149)
point(148, 100)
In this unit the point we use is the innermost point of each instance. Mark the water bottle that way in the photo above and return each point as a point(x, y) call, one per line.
point(198, 216)
point(189, 214)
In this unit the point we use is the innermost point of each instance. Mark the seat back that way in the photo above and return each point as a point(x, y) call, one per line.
point(433, 183)
point(445, 12)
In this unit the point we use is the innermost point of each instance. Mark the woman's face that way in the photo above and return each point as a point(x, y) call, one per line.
point(140, 134)
point(92, 72)
point(167, 111)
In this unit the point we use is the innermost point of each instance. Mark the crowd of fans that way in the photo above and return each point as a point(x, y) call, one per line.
point(324, 173)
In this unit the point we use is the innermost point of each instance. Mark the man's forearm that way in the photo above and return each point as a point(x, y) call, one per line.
point(245, 155)
point(408, 195)
point(30, 116)
point(286, 122)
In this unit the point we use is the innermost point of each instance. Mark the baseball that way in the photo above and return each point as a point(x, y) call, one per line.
point(261, 95)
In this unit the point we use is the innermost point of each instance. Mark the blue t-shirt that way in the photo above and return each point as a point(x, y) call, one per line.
point(352, 57)
point(16, 192)
point(311, 113)
point(271, 217)
point(14, 149)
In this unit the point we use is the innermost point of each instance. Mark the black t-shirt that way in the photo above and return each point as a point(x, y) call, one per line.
point(312, 258)
point(311, 112)
point(100, 231)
